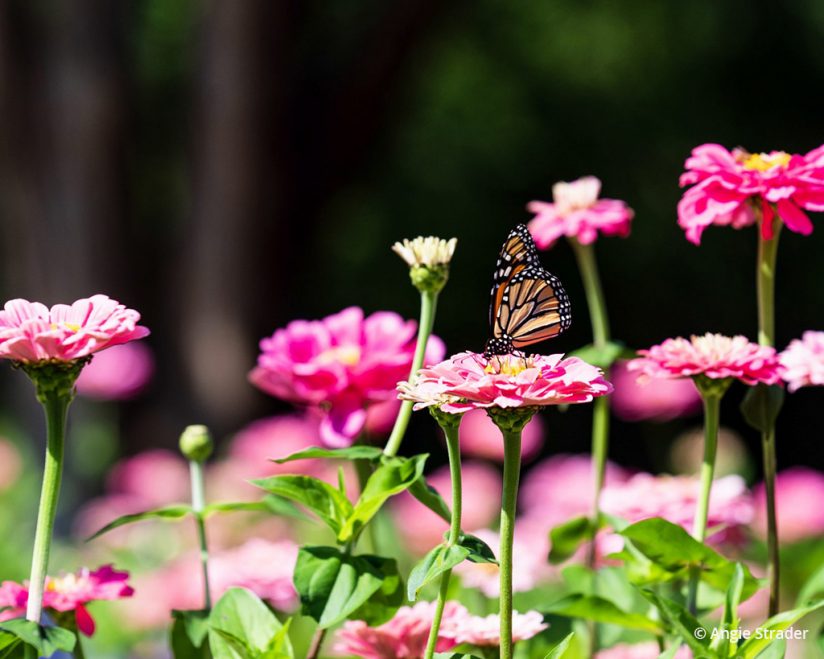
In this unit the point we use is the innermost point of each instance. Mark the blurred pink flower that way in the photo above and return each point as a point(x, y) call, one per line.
point(486, 631)
point(403, 637)
point(10, 464)
point(659, 399)
point(261, 441)
point(644, 650)
point(576, 212)
point(468, 381)
point(481, 438)
point(729, 186)
point(156, 476)
point(31, 332)
point(380, 418)
point(421, 529)
point(340, 366)
point(796, 491)
point(120, 373)
point(69, 592)
point(802, 363)
point(712, 355)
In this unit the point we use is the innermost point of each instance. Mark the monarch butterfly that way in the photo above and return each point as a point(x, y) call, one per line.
point(528, 303)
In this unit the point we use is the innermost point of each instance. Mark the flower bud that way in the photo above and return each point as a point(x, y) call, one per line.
point(196, 443)
point(428, 260)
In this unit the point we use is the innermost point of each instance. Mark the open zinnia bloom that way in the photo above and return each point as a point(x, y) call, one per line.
point(485, 631)
point(802, 363)
point(638, 398)
point(340, 366)
point(69, 592)
point(120, 373)
point(577, 212)
point(729, 187)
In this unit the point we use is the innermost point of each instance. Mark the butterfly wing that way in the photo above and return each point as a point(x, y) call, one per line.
point(517, 254)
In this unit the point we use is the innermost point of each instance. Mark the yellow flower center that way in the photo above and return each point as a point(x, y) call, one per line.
point(349, 355)
point(507, 365)
point(69, 326)
point(764, 162)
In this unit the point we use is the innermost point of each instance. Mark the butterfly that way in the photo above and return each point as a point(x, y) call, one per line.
point(528, 304)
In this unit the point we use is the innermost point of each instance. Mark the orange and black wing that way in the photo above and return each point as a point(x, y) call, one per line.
point(517, 254)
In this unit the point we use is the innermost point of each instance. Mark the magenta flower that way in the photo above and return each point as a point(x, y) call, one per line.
point(481, 438)
point(795, 489)
point(158, 477)
point(69, 592)
point(639, 398)
point(30, 332)
point(485, 631)
point(645, 650)
point(468, 381)
point(802, 363)
point(728, 187)
point(577, 212)
point(120, 373)
point(403, 637)
point(714, 356)
point(340, 366)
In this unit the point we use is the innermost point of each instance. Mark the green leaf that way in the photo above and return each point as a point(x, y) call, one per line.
point(46, 640)
point(442, 558)
point(479, 551)
point(241, 626)
point(602, 357)
point(176, 511)
point(767, 633)
point(729, 621)
point(269, 504)
point(384, 602)
point(681, 622)
point(812, 588)
point(332, 584)
point(188, 636)
point(598, 609)
point(671, 651)
point(761, 406)
point(430, 498)
point(325, 501)
point(566, 538)
point(559, 650)
point(9, 645)
point(356, 452)
point(393, 477)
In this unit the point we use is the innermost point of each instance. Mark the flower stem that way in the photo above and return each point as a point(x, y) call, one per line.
point(429, 303)
point(712, 411)
point(765, 277)
point(198, 500)
point(56, 406)
point(317, 642)
point(453, 449)
point(509, 499)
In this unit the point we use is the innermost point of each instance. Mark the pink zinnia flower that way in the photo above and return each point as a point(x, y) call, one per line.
point(157, 476)
point(802, 363)
point(340, 366)
point(728, 187)
point(481, 438)
point(645, 650)
point(795, 491)
point(403, 637)
point(69, 592)
point(120, 373)
point(30, 332)
point(468, 381)
point(486, 631)
point(576, 212)
point(639, 398)
point(712, 355)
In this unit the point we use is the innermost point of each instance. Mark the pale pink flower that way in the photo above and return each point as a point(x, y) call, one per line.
point(157, 476)
point(470, 380)
point(10, 464)
point(481, 438)
point(802, 363)
point(644, 650)
point(728, 187)
point(577, 212)
point(69, 592)
point(120, 373)
point(340, 366)
point(403, 637)
point(421, 529)
point(659, 399)
point(486, 631)
point(30, 332)
point(712, 355)
point(797, 491)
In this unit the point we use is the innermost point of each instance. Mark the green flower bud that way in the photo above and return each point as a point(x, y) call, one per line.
point(511, 419)
point(196, 443)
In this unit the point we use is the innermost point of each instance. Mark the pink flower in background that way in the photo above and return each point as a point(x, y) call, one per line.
point(158, 477)
point(468, 381)
point(797, 493)
point(403, 637)
point(264, 440)
point(421, 529)
point(645, 650)
point(802, 363)
point(577, 212)
point(380, 418)
point(31, 332)
point(10, 464)
point(481, 438)
point(728, 187)
point(69, 592)
point(486, 631)
point(658, 399)
point(340, 366)
point(119, 373)
point(712, 355)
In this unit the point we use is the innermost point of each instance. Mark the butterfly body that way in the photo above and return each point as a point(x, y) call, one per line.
point(528, 304)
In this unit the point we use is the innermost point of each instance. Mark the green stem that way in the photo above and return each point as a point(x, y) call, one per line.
point(78, 653)
point(453, 449)
point(316, 644)
point(585, 255)
point(198, 502)
point(56, 406)
point(509, 499)
point(429, 303)
point(712, 411)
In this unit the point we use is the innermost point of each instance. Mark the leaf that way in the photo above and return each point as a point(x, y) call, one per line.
point(479, 551)
point(384, 602)
point(241, 626)
point(318, 496)
point(813, 587)
point(730, 620)
point(430, 498)
point(602, 357)
point(46, 640)
point(766, 633)
point(681, 622)
point(332, 584)
point(393, 477)
point(356, 452)
point(559, 650)
point(9, 643)
point(761, 406)
point(598, 609)
point(442, 558)
point(188, 635)
point(671, 651)
point(271, 503)
point(167, 512)
point(567, 537)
